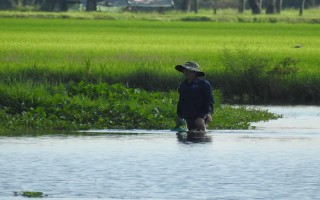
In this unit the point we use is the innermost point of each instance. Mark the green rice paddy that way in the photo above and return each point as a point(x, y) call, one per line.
point(59, 43)
point(142, 54)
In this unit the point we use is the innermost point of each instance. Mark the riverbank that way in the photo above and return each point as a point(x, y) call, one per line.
point(80, 106)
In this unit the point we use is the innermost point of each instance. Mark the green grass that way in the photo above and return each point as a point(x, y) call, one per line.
point(27, 108)
point(128, 45)
point(143, 53)
point(42, 58)
point(30, 194)
point(60, 43)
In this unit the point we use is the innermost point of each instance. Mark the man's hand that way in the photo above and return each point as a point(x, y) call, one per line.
point(207, 118)
point(180, 121)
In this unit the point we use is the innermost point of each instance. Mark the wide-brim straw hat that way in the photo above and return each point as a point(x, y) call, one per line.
point(191, 66)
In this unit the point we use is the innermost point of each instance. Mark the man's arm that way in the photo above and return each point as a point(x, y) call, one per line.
point(208, 102)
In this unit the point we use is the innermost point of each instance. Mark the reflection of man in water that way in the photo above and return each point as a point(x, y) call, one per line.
point(196, 99)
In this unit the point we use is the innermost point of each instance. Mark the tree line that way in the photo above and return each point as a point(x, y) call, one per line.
point(272, 6)
point(47, 5)
point(256, 6)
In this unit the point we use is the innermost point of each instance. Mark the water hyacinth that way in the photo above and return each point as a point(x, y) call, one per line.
point(76, 106)
point(30, 194)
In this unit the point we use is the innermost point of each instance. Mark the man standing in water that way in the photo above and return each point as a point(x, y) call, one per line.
point(195, 98)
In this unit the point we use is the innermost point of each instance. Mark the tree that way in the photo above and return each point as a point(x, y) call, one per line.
point(14, 4)
point(216, 4)
point(196, 4)
point(255, 6)
point(242, 6)
point(186, 4)
point(5, 4)
point(63, 5)
point(279, 6)
point(48, 5)
point(271, 6)
point(301, 7)
point(91, 5)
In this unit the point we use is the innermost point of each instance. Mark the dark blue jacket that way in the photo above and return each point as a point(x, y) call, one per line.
point(196, 99)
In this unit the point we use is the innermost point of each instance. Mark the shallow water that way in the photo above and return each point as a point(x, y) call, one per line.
point(272, 162)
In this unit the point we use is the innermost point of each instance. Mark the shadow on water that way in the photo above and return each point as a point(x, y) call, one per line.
point(63, 133)
point(194, 137)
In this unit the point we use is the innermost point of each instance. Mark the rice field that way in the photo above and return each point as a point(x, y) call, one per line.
point(249, 62)
point(124, 46)
point(58, 43)
point(143, 53)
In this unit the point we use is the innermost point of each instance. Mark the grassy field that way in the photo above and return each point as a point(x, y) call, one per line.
point(45, 59)
point(143, 53)
point(58, 43)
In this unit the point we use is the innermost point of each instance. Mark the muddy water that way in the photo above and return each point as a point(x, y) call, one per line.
point(278, 160)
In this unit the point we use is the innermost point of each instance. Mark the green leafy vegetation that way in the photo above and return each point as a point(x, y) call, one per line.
point(229, 117)
point(251, 78)
point(83, 106)
point(71, 74)
point(30, 194)
point(76, 106)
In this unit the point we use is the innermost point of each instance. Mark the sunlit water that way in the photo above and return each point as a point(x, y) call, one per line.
point(278, 160)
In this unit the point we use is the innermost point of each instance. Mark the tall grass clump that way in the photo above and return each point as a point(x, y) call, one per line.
point(244, 74)
point(250, 77)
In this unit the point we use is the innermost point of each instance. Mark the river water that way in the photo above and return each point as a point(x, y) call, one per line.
point(278, 160)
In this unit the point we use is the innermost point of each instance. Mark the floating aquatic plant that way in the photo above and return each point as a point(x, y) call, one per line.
point(30, 194)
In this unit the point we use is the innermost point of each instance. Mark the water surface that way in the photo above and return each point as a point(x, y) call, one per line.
point(272, 162)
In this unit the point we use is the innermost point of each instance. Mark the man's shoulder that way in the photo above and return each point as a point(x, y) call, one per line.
point(203, 81)
point(197, 81)
point(184, 82)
